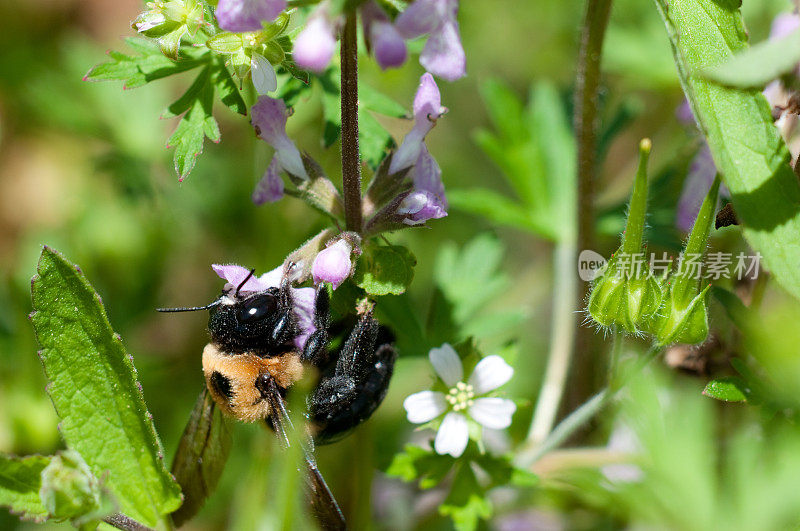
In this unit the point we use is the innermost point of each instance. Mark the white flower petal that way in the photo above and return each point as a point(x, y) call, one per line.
point(424, 406)
point(493, 413)
point(453, 435)
point(263, 73)
point(489, 374)
point(447, 364)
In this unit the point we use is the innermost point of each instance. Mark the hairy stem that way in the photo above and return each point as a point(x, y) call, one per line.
point(565, 288)
point(351, 160)
point(120, 521)
point(585, 119)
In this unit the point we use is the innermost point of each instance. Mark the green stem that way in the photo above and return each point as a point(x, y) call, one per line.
point(562, 340)
point(585, 120)
point(351, 159)
point(584, 413)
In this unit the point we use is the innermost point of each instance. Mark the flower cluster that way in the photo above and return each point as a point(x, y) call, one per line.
point(465, 401)
point(443, 54)
point(411, 166)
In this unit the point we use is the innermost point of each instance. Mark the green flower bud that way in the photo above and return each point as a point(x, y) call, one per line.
point(626, 294)
point(684, 316)
point(70, 491)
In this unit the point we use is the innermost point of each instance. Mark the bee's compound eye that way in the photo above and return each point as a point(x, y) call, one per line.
point(257, 308)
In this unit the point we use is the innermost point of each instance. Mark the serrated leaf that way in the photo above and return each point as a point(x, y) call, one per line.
point(137, 70)
point(420, 464)
point(187, 99)
point(94, 389)
point(71, 492)
point(385, 270)
point(226, 88)
point(497, 208)
point(20, 481)
point(466, 504)
point(195, 125)
point(757, 66)
point(746, 146)
point(201, 456)
point(729, 389)
point(373, 100)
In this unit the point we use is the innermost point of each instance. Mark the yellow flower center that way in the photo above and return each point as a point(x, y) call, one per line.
point(460, 396)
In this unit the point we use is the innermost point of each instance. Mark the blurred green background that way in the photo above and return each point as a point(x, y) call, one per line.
point(84, 169)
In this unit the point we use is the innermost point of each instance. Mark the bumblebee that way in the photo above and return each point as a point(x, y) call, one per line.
point(252, 361)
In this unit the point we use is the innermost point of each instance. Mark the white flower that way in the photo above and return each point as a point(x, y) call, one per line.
point(463, 401)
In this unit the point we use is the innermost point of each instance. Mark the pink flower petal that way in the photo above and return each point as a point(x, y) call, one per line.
point(333, 264)
point(314, 46)
point(443, 54)
point(269, 121)
point(270, 188)
point(247, 15)
point(235, 275)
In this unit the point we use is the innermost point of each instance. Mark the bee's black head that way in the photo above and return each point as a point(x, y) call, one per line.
point(262, 322)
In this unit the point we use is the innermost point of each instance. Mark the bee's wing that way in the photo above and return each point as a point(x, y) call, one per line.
point(201, 456)
point(324, 505)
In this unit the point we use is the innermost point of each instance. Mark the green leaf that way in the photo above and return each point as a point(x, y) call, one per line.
point(385, 270)
point(728, 389)
point(757, 66)
point(20, 481)
point(745, 144)
point(466, 504)
point(373, 100)
point(187, 99)
point(201, 456)
point(420, 464)
point(137, 70)
point(226, 88)
point(373, 140)
point(496, 208)
point(331, 108)
point(195, 125)
point(94, 389)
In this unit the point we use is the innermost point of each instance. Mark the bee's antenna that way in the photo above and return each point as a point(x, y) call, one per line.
point(248, 277)
point(191, 309)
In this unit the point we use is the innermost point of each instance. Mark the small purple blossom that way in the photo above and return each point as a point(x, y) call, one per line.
point(697, 183)
point(387, 44)
point(443, 54)
point(247, 15)
point(427, 109)
point(420, 206)
point(314, 46)
point(270, 188)
point(427, 176)
point(269, 121)
point(303, 298)
point(333, 264)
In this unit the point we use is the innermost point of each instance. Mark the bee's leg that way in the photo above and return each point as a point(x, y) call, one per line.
point(315, 350)
point(359, 383)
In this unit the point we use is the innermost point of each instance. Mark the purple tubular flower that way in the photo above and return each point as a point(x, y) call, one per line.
point(427, 109)
point(427, 176)
point(303, 298)
point(420, 206)
point(698, 181)
point(270, 188)
point(314, 46)
point(443, 54)
point(333, 264)
point(388, 45)
point(247, 15)
point(269, 121)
